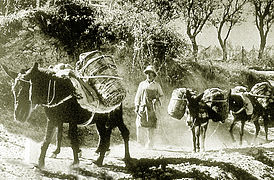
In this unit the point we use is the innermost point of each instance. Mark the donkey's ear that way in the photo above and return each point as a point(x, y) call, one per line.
point(228, 93)
point(10, 73)
point(188, 95)
point(35, 67)
point(199, 97)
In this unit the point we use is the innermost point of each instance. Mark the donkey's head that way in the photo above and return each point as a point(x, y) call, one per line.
point(23, 105)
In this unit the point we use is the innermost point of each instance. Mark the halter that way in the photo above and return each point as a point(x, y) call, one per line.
point(20, 78)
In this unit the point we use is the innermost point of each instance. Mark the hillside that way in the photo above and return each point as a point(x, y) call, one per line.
point(60, 34)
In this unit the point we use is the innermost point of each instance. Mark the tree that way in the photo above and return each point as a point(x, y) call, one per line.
point(228, 15)
point(196, 14)
point(264, 18)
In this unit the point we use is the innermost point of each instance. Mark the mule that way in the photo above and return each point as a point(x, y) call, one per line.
point(198, 116)
point(38, 86)
point(237, 107)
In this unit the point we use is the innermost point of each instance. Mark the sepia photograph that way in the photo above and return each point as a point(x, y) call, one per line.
point(137, 89)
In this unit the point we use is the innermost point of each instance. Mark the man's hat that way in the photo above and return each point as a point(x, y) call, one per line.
point(150, 69)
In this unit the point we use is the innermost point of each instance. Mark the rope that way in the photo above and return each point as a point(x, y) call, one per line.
point(49, 105)
point(214, 130)
point(49, 89)
point(57, 104)
point(239, 111)
point(102, 76)
point(259, 96)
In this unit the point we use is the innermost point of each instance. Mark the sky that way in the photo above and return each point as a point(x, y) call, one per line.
point(246, 35)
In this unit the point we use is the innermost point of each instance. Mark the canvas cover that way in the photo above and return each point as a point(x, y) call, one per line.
point(216, 99)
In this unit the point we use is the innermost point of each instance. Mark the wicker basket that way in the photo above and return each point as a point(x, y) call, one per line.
point(263, 92)
point(100, 72)
point(177, 103)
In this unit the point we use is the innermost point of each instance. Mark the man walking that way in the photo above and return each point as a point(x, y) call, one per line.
point(146, 101)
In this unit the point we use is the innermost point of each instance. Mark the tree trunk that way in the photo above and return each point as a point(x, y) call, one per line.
point(194, 47)
point(262, 47)
point(222, 42)
point(224, 53)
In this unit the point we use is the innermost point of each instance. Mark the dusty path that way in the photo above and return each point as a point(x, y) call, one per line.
point(164, 162)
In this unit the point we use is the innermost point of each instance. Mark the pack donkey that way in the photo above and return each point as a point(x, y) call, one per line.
point(200, 110)
point(245, 107)
point(31, 88)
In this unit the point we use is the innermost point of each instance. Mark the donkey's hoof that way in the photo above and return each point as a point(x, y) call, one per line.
point(74, 165)
point(80, 154)
point(98, 162)
point(53, 155)
point(41, 164)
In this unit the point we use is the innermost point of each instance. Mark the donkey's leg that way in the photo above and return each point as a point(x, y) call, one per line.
point(257, 126)
point(58, 139)
point(103, 144)
point(125, 134)
point(265, 119)
point(231, 130)
point(193, 138)
point(198, 132)
point(203, 132)
point(45, 145)
point(73, 135)
point(101, 129)
point(242, 132)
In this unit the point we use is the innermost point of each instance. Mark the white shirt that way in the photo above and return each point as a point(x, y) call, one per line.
point(143, 86)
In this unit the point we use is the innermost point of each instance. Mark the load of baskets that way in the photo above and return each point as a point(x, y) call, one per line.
point(263, 92)
point(177, 104)
point(100, 77)
point(98, 87)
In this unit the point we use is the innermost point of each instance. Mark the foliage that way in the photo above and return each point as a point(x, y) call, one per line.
point(73, 24)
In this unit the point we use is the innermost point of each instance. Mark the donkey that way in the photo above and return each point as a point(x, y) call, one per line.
point(32, 88)
point(237, 107)
point(199, 114)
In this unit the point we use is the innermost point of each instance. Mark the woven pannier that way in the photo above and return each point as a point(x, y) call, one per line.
point(263, 92)
point(177, 103)
point(101, 73)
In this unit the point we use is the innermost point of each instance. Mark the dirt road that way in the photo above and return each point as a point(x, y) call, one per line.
point(18, 156)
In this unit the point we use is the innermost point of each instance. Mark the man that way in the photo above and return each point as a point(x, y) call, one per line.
point(146, 101)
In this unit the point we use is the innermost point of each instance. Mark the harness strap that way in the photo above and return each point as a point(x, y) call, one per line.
point(49, 89)
point(259, 96)
point(57, 104)
point(221, 100)
point(239, 111)
point(49, 105)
